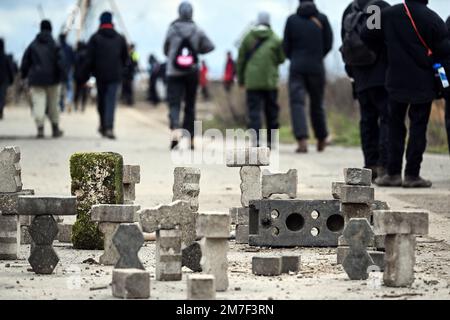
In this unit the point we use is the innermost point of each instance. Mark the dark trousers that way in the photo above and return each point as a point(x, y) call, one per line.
point(419, 115)
point(106, 104)
point(447, 120)
point(81, 95)
point(259, 101)
point(374, 126)
point(3, 91)
point(314, 86)
point(179, 89)
point(128, 92)
point(153, 95)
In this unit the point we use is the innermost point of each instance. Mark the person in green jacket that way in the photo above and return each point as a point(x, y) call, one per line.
point(260, 55)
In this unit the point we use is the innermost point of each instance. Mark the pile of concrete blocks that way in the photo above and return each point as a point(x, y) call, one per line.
point(400, 229)
point(357, 199)
point(275, 266)
point(250, 161)
point(168, 255)
point(214, 228)
point(44, 229)
point(131, 177)
point(13, 229)
point(109, 218)
point(295, 223)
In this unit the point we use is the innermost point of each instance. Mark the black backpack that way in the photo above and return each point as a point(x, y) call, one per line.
point(186, 57)
point(354, 51)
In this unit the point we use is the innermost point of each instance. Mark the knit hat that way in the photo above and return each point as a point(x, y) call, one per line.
point(264, 18)
point(46, 25)
point(185, 10)
point(106, 18)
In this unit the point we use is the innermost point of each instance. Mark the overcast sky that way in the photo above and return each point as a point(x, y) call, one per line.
point(147, 21)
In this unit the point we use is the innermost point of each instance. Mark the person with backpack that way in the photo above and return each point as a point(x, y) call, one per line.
point(367, 68)
point(415, 38)
point(6, 76)
point(107, 57)
point(43, 66)
point(260, 55)
point(308, 38)
point(184, 42)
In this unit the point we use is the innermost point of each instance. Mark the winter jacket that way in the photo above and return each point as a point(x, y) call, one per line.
point(308, 38)
point(6, 67)
point(43, 61)
point(260, 71)
point(107, 55)
point(81, 56)
point(410, 74)
point(372, 76)
point(178, 30)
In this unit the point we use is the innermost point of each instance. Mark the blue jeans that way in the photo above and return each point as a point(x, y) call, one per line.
point(106, 104)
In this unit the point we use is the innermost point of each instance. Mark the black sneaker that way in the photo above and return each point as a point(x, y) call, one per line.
point(416, 182)
point(109, 134)
point(40, 134)
point(56, 132)
point(389, 181)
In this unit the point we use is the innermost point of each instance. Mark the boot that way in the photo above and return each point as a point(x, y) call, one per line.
point(109, 134)
point(56, 132)
point(302, 146)
point(416, 182)
point(375, 172)
point(389, 181)
point(322, 144)
point(40, 134)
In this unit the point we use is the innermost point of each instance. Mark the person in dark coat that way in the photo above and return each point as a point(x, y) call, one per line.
point(66, 98)
point(107, 56)
point(6, 76)
point(373, 99)
point(308, 38)
point(130, 70)
point(447, 100)
point(81, 88)
point(154, 75)
point(43, 66)
point(410, 83)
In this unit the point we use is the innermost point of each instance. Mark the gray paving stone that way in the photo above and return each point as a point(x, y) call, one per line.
point(242, 216)
point(400, 260)
point(46, 205)
point(168, 268)
point(9, 237)
point(201, 287)
point(215, 262)
point(267, 266)
point(25, 237)
point(10, 171)
point(258, 157)
point(336, 190)
point(279, 184)
point(115, 213)
point(356, 211)
point(242, 234)
point(401, 222)
point(357, 194)
point(177, 214)
point(110, 255)
point(129, 193)
point(250, 184)
point(9, 202)
point(358, 177)
point(128, 240)
point(131, 284)
point(191, 257)
point(65, 232)
point(43, 259)
point(131, 174)
point(290, 264)
point(213, 225)
point(186, 186)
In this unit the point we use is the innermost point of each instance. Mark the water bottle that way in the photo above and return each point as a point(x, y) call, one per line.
point(442, 75)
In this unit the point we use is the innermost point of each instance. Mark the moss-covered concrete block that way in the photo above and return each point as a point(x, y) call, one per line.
point(97, 178)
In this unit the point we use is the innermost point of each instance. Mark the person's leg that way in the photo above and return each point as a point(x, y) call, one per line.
point(3, 91)
point(254, 101)
point(38, 98)
point(175, 89)
point(84, 96)
point(110, 108)
point(272, 111)
point(315, 85)
point(190, 98)
point(381, 100)
point(419, 115)
point(53, 111)
point(77, 96)
point(369, 129)
point(447, 120)
point(397, 136)
point(101, 92)
point(297, 104)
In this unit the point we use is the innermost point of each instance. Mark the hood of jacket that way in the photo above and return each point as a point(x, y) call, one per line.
point(184, 28)
point(262, 32)
point(107, 33)
point(307, 10)
point(45, 37)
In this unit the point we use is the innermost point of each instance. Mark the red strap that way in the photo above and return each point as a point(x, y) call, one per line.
point(107, 26)
point(408, 13)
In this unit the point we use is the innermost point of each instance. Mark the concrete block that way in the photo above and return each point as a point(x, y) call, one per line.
point(290, 264)
point(131, 284)
point(357, 194)
point(110, 255)
point(336, 190)
point(400, 260)
point(131, 174)
point(168, 267)
point(213, 225)
point(275, 184)
point(128, 240)
point(201, 287)
point(10, 171)
point(25, 237)
point(243, 216)
point(178, 214)
point(9, 237)
point(401, 222)
point(358, 177)
point(129, 193)
point(39, 205)
point(242, 234)
point(295, 223)
point(259, 157)
point(186, 186)
point(65, 232)
point(192, 256)
point(250, 184)
point(118, 213)
point(168, 242)
point(43, 231)
point(215, 262)
point(9, 202)
point(356, 211)
point(267, 266)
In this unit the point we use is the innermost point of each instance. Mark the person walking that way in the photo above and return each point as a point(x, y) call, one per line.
point(184, 42)
point(368, 71)
point(204, 81)
point(414, 36)
point(66, 95)
point(260, 55)
point(131, 67)
point(230, 73)
point(107, 56)
point(7, 75)
point(81, 88)
point(308, 38)
point(154, 75)
point(43, 67)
